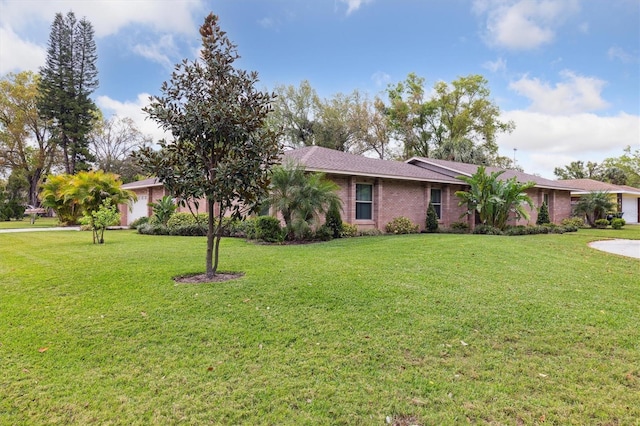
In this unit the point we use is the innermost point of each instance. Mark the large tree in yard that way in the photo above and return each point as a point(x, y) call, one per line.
point(67, 81)
point(222, 149)
point(25, 146)
point(493, 199)
point(458, 122)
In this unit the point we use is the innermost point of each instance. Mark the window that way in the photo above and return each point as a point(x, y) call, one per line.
point(364, 201)
point(436, 201)
point(545, 198)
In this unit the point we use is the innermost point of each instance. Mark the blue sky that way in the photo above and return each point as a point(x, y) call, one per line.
point(567, 72)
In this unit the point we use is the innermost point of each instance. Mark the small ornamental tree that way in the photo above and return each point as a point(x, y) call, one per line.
point(98, 220)
point(543, 215)
point(432, 218)
point(163, 209)
point(222, 149)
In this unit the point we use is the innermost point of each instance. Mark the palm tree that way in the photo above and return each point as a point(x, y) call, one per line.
point(593, 206)
point(300, 197)
point(493, 199)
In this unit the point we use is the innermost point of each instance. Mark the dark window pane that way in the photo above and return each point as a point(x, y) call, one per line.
point(437, 208)
point(363, 211)
point(436, 196)
point(364, 192)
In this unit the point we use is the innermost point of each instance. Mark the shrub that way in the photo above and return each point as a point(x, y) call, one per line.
point(401, 225)
point(487, 230)
point(246, 228)
point(268, 229)
point(432, 219)
point(543, 215)
point(139, 221)
point(459, 227)
point(324, 233)
point(370, 232)
point(185, 218)
point(188, 230)
point(601, 223)
point(153, 229)
point(348, 230)
point(333, 220)
point(578, 222)
point(163, 209)
point(618, 223)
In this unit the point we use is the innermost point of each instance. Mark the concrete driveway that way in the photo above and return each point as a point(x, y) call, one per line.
point(629, 248)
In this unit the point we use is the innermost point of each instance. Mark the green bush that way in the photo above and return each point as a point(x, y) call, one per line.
point(324, 233)
point(333, 220)
point(459, 228)
point(268, 229)
point(245, 229)
point(373, 232)
point(153, 229)
point(601, 223)
point(618, 223)
point(348, 230)
point(139, 221)
point(543, 215)
point(487, 230)
point(578, 222)
point(432, 219)
point(186, 218)
point(401, 225)
point(188, 230)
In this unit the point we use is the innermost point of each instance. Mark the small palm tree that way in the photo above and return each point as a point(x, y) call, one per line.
point(300, 197)
point(493, 199)
point(593, 206)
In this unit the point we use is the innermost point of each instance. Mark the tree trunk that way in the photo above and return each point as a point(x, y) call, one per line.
point(211, 272)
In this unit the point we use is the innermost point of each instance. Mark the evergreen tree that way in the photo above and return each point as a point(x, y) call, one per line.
point(432, 219)
point(67, 81)
point(333, 220)
point(543, 215)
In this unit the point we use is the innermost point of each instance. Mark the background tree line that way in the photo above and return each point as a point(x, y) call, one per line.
point(623, 170)
point(50, 124)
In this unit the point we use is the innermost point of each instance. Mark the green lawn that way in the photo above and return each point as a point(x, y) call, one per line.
point(428, 329)
point(41, 222)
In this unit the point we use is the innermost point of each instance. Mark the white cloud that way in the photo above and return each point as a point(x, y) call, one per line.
point(523, 24)
point(162, 52)
point(576, 94)
point(620, 54)
point(353, 5)
point(133, 110)
point(17, 54)
point(547, 141)
point(108, 17)
point(495, 66)
point(381, 79)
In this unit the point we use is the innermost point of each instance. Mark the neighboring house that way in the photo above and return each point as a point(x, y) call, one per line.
point(374, 191)
point(626, 198)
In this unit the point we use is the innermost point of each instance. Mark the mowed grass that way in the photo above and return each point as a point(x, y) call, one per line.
point(423, 329)
point(41, 222)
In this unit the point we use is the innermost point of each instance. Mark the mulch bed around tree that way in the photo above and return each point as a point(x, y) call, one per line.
point(220, 277)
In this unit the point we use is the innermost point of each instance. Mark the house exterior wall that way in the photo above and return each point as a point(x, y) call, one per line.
point(393, 198)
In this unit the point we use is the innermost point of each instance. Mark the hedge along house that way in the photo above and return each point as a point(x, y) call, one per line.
point(375, 191)
point(626, 198)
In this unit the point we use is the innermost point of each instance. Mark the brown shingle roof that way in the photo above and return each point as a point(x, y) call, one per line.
point(316, 158)
point(589, 185)
point(145, 183)
point(469, 169)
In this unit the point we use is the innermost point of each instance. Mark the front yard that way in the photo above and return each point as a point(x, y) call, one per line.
point(417, 329)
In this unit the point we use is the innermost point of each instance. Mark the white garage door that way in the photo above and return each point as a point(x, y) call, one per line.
point(139, 209)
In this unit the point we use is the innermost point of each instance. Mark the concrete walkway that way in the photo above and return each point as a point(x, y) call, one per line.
point(629, 248)
point(59, 228)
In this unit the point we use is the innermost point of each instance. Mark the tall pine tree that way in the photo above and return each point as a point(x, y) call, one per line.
point(67, 81)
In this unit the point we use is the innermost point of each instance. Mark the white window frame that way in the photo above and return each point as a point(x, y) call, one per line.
point(369, 202)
